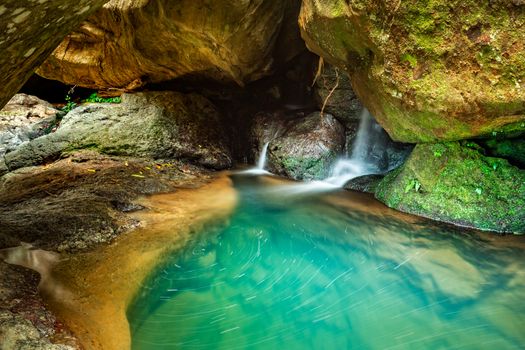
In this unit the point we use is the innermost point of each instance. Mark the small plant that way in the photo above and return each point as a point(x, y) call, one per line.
point(95, 98)
point(478, 191)
point(413, 184)
point(438, 154)
point(70, 104)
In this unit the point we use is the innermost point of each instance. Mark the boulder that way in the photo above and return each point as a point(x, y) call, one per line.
point(307, 147)
point(31, 30)
point(365, 183)
point(448, 70)
point(454, 182)
point(333, 90)
point(24, 118)
point(132, 42)
point(158, 125)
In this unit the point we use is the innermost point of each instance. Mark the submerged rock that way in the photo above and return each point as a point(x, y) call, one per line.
point(156, 125)
point(131, 42)
point(25, 118)
point(307, 148)
point(454, 182)
point(31, 30)
point(447, 70)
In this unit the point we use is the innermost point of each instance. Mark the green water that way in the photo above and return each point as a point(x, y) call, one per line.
point(306, 272)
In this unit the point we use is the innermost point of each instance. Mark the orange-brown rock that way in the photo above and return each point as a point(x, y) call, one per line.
point(132, 42)
point(29, 31)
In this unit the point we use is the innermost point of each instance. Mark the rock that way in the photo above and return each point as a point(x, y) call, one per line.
point(24, 118)
point(132, 42)
point(366, 183)
point(307, 148)
point(17, 333)
point(158, 125)
point(443, 71)
point(342, 103)
point(30, 32)
point(454, 182)
point(511, 149)
point(77, 203)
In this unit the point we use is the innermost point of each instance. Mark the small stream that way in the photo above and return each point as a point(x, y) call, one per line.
point(332, 270)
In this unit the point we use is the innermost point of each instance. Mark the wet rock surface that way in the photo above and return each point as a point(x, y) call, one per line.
point(366, 183)
point(157, 125)
point(79, 202)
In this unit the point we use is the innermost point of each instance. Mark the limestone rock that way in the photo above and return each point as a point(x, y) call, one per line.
point(24, 118)
point(307, 147)
point(156, 125)
point(447, 70)
point(454, 182)
point(131, 42)
point(30, 31)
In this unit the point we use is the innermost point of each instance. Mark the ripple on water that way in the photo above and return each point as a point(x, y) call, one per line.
point(313, 273)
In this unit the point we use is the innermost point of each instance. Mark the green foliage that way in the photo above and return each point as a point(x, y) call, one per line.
point(413, 184)
point(95, 98)
point(437, 154)
point(410, 59)
point(69, 103)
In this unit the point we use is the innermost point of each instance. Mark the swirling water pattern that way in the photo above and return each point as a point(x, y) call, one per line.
point(305, 273)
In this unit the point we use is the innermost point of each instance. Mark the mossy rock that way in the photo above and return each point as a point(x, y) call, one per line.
point(430, 71)
point(454, 182)
point(511, 149)
point(308, 148)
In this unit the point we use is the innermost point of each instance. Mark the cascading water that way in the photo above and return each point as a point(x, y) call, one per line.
point(261, 163)
point(364, 159)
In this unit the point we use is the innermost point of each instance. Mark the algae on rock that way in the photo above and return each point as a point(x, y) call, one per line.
point(454, 182)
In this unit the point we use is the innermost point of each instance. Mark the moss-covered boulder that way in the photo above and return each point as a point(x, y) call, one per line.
point(129, 43)
point(428, 71)
point(154, 125)
point(307, 148)
point(454, 182)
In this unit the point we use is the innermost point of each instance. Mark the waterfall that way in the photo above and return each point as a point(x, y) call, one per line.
point(261, 163)
point(363, 159)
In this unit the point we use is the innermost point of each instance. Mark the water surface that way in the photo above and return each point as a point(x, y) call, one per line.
point(332, 271)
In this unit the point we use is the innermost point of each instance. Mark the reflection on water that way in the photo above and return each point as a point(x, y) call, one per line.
point(317, 272)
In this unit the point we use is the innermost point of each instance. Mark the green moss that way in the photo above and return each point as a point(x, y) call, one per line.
point(410, 59)
point(462, 186)
point(511, 149)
